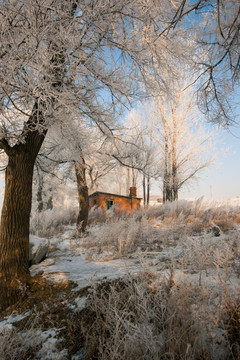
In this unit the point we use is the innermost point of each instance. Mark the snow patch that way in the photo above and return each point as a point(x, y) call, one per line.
point(7, 322)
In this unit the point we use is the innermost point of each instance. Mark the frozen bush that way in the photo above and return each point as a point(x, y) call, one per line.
point(123, 235)
point(96, 215)
point(48, 222)
point(30, 344)
point(145, 318)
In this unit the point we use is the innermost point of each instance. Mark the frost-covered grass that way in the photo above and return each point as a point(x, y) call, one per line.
point(153, 317)
point(160, 226)
point(158, 284)
point(49, 222)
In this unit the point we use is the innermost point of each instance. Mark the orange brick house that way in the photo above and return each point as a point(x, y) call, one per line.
point(120, 202)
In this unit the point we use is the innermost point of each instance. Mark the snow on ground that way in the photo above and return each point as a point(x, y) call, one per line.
point(78, 269)
point(7, 323)
point(49, 349)
point(70, 262)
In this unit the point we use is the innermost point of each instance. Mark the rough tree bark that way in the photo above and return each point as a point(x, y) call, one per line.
point(82, 196)
point(14, 228)
point(39, 193)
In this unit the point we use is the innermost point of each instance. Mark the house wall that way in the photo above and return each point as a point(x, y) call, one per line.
point(120, 203)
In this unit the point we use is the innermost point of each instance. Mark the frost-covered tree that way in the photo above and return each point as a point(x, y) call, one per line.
point(135, 154)
point(79, 157)
point(185, 146)
point(142, 150)
point(60, 59)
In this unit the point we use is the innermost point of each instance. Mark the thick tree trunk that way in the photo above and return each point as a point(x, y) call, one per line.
point(14, 228)
point(14, 235)
point(82, 198)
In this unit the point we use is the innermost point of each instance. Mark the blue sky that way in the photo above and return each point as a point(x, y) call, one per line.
point(222, 180)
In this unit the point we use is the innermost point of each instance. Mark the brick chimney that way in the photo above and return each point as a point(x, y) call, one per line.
point(133, 191)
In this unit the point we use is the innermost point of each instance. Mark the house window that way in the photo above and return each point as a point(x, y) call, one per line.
point(95, 201)
point(109, 203)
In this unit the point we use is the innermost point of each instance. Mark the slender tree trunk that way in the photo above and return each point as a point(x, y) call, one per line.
point(134, 177)
point(167, 160)
point(164, 191)
point(82, 197)
point(91, 189)
point(175, 186)
point(14, 229)
point(128, 182)
point(50, 203)
point(148, 190)
point(144, 191)
point(167, 176)
point(174, 157)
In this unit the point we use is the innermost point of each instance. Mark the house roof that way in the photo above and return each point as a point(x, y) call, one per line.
point(117, 195)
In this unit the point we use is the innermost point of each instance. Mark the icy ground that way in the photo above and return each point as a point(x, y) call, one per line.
point(71, 262)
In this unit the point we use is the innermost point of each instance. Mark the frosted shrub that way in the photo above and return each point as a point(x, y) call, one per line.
point(197, 215)
point(123, 235)
point(231, 321)
point(205, 254)
point(96, 215)
point(136, 318)
point(160, 226)
point(15, 346)
point(48, 222)
point(120, 235)
point(30, 343)
point(175, 208)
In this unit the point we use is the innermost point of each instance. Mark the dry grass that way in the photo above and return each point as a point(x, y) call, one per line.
point(156, 318)
point(155, 315)
point(49, 222)
point(132, 319)
point(230, 315)
point(148, 317)
point(160, 226)
point(49, 330)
